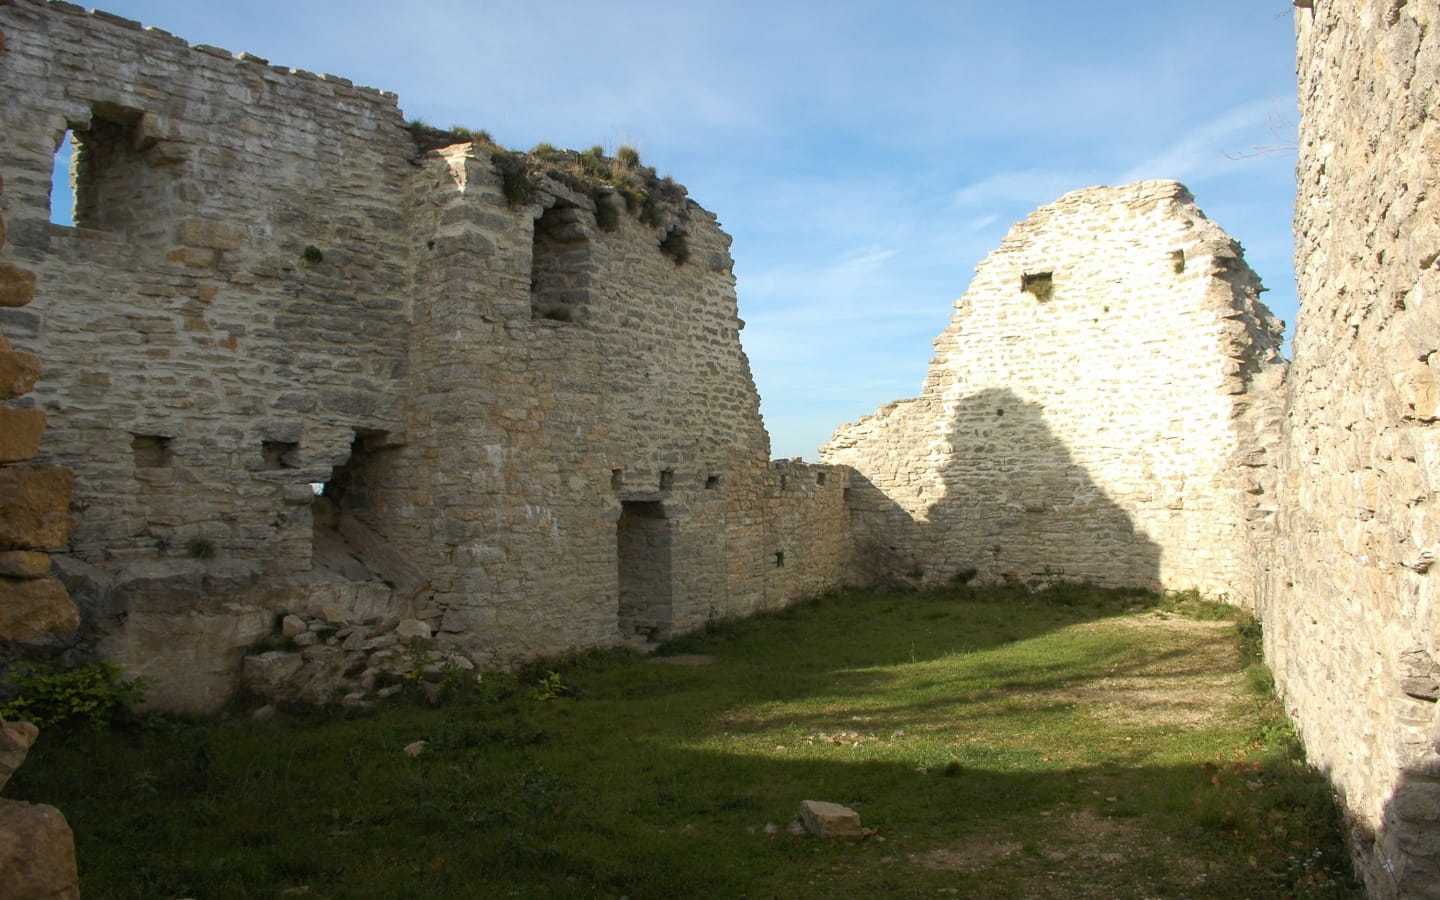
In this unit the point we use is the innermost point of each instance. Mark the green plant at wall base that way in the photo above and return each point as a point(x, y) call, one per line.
point(312, 254)
point(550, 687)
point(200, 548)
point(92, 694)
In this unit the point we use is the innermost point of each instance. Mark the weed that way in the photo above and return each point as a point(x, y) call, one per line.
point(312, 254)
point(92, 694)
point(545, 151)
point(607, 217)
point(550, 687)
point(676, 246)
point(629, 157)
point(514, 178)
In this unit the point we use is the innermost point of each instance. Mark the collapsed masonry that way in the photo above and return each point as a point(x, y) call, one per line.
point(303, 365)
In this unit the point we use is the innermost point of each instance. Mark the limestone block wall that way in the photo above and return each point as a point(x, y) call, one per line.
point(308, 360)
point(223, 318)
point(584, 428)
point(1096, 410)
point(37, 849)
point(1350, 611)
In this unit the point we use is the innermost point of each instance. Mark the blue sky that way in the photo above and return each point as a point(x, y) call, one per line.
point(865, 156)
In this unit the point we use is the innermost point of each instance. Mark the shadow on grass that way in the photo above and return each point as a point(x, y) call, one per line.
point(647, 780)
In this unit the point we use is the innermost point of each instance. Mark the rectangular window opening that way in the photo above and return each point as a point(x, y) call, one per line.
point(62, 182)
point(281, 454)
point(712, 482)
point(152, 451)
point(1040, 285)
point(110, 172)
point(667, 479)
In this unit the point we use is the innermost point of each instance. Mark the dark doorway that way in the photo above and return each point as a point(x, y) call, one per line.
point(643, 545)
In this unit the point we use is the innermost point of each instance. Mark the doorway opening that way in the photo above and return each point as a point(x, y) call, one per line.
point(643, 544)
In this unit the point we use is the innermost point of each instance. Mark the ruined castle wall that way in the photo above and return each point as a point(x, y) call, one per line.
point(196, 331)
point(303, 366)
point(1351, 622)
point(225, 315)
point(594, 428)
point(1087, 414)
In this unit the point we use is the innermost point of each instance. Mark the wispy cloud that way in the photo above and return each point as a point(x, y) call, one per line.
point(1209, 147)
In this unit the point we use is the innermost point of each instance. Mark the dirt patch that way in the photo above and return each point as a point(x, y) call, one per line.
point(1189, 686)
point(974, 856)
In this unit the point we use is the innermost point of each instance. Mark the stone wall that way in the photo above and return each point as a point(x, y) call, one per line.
point(1098, 409)
point(1350, 609)
point(305, 363)
point(37, 849)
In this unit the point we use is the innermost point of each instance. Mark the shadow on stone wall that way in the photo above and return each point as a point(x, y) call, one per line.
point(1402, 859)
point(1013, 505)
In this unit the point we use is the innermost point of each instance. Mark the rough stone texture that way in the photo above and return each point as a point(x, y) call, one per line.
point(37, 853)
point(17, 285)
point(31, 607)
point(1350, 608)
point(830, 820)
point(1098, 409)
point(18, 373)
point(15, 741)
point(24, 563)
point(20, 431)
point(536, 429)
point(34, 507)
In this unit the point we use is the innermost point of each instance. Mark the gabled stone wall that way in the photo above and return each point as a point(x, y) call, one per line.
point(1099, 409)
point(1350, 611)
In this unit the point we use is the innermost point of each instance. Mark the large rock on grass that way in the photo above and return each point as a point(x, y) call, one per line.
point(37, 853)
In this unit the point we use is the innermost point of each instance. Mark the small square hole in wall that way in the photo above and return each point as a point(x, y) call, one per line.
point(820, 478)
point(712, 482)
point(617, 479)
point(1040, 285)
point(152, 451)
point(779, 559)
point(1177, 261)
point(280, 454)
point(667, 479)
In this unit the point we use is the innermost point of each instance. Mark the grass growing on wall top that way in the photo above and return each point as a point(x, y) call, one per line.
point(1070, 744)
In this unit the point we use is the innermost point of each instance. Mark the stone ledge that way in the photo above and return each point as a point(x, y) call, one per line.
point(20, 432)
point(33, 607)
point(34, 507)
point(37, 853)
point(18, 373)
point(16, 285)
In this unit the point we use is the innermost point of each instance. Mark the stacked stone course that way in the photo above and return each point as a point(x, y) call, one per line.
point(304, 361)
point(37, 849)
point(1350, 605)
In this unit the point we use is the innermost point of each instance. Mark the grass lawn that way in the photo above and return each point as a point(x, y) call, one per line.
point(1075, 743)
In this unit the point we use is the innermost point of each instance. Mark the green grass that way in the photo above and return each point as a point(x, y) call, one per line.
point(1073, 743)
